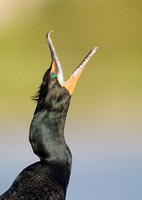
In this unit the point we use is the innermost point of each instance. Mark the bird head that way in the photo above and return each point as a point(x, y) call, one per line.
point(54, 89)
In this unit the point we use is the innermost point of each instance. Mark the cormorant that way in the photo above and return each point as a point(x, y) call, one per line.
point(48, 179)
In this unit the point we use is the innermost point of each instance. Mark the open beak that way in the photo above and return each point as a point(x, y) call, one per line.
point(56, 67)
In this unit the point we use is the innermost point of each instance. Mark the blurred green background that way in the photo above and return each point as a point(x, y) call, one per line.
point(106, 110)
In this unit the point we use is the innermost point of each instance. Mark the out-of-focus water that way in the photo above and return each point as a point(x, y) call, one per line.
point(107, 159)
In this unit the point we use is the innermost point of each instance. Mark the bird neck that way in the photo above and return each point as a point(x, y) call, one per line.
point(47, 135)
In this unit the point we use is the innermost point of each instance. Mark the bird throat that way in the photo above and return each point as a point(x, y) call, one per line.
point(47, 128)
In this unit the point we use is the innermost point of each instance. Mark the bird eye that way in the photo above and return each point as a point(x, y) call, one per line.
point(53, 75)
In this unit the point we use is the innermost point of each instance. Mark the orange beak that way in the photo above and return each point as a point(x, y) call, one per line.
point(56, 67)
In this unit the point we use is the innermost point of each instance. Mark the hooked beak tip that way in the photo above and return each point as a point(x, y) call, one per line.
point(48, 35)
